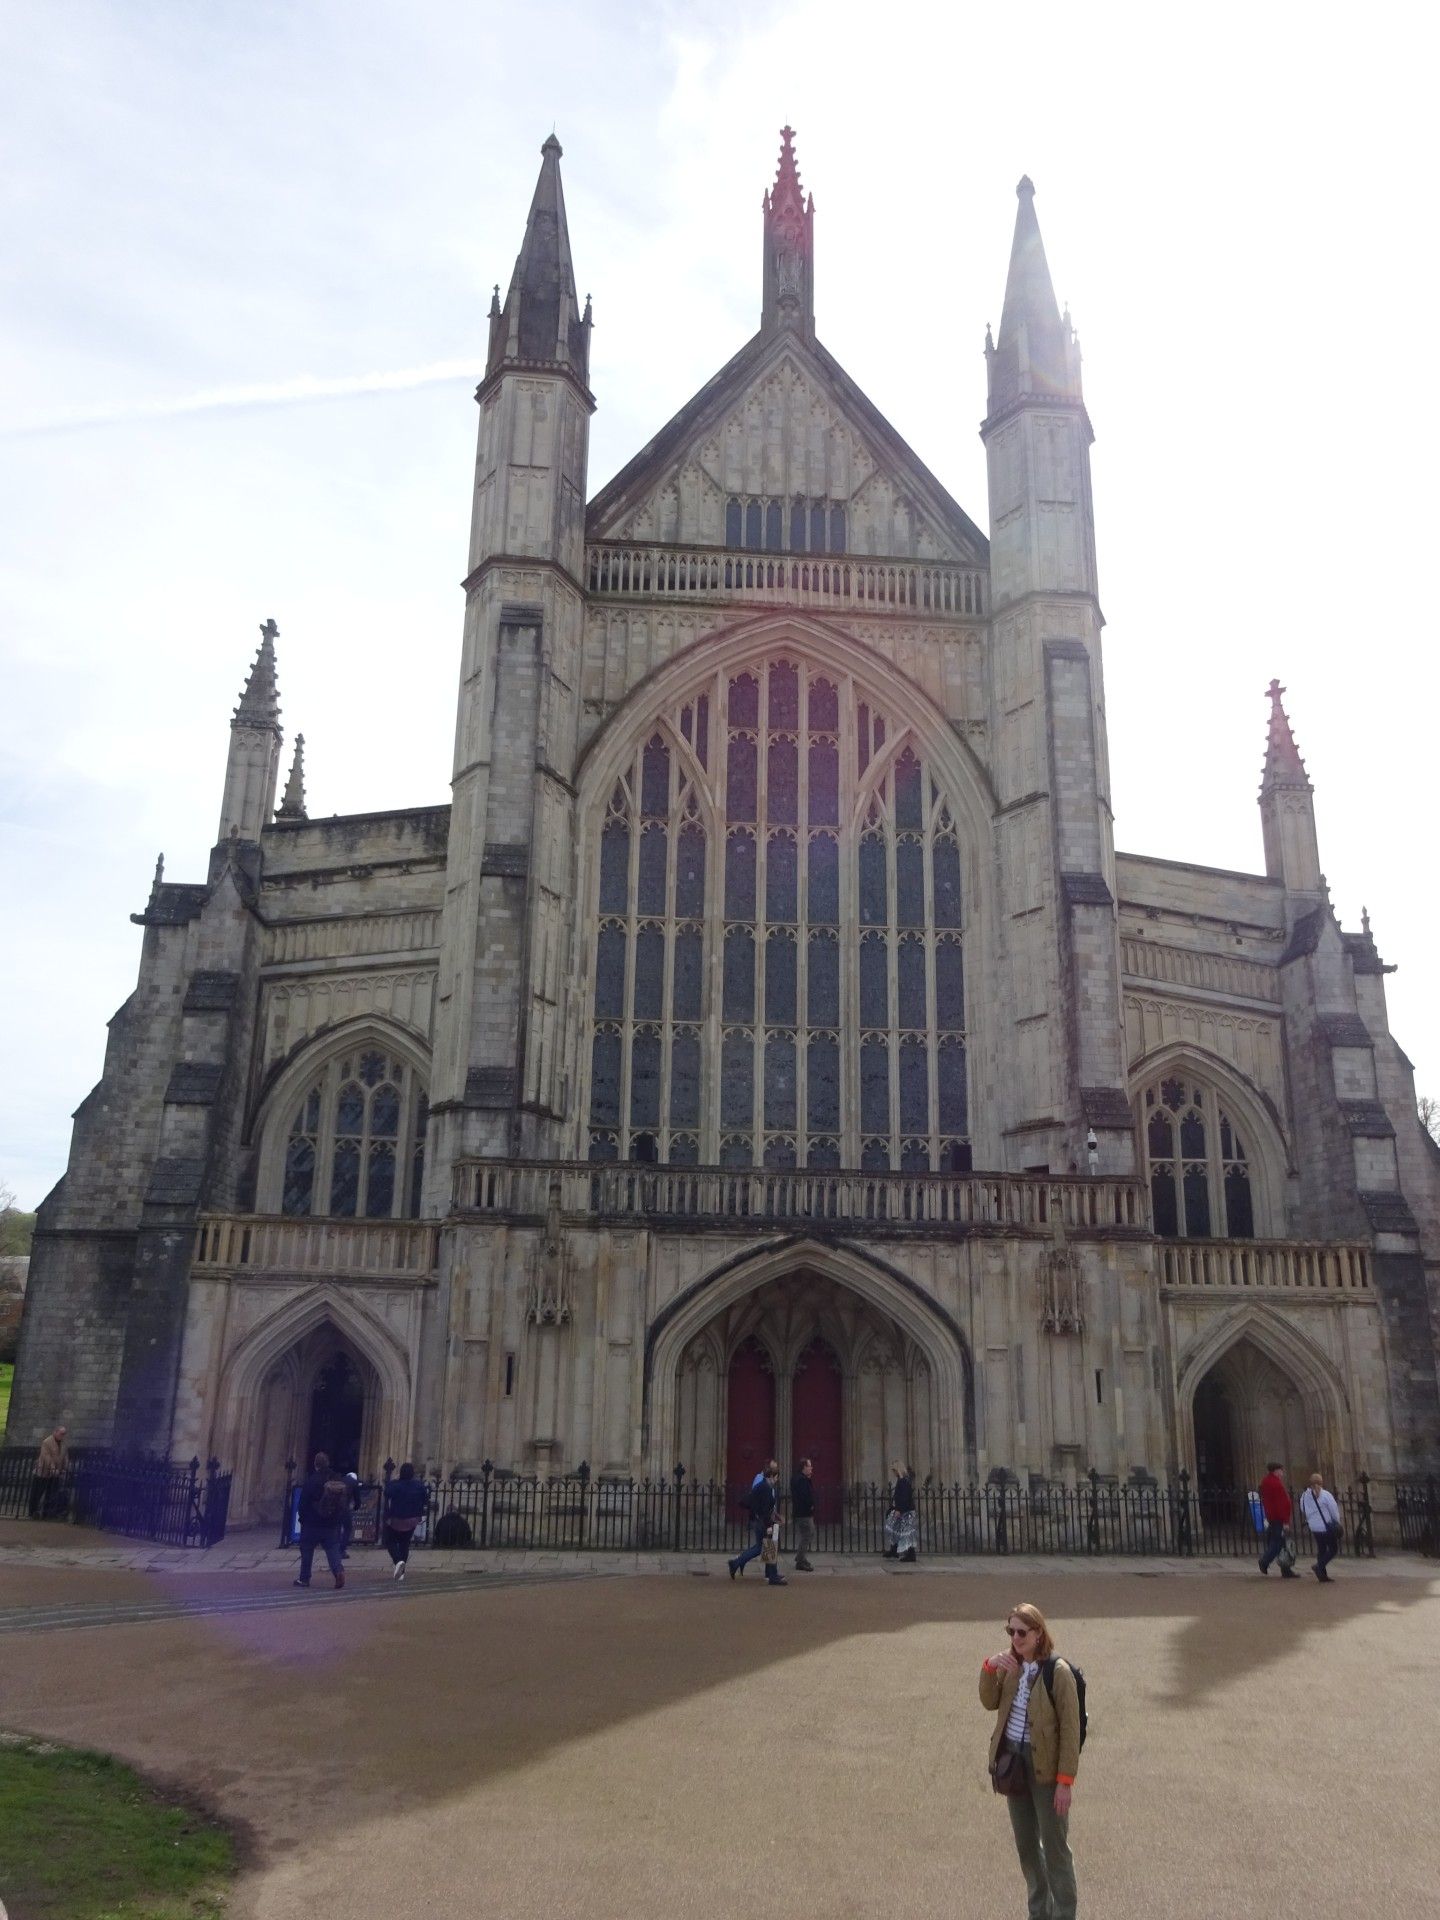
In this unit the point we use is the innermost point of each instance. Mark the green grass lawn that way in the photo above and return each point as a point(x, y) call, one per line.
point(7, 1374)
point(84, 1838)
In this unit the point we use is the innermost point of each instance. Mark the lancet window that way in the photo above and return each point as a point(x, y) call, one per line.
point(778, 964)
point(356, 1144)
point(1195, 1157)
point(797, 525)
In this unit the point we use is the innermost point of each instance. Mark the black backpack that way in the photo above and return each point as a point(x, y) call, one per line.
point(1048, 1669)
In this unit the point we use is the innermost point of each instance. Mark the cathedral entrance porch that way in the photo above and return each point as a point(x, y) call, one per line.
point(827, 1357)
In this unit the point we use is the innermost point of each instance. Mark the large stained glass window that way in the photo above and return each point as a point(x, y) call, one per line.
point(778, 969)
point(356, 1144)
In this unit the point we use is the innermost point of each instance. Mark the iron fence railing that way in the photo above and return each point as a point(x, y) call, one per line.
point(145, 1498)
point(1417, 1512)
point(587, 1512)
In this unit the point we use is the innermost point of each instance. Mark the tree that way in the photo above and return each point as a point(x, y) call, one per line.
point(1428, 1107)
point(17, 1229)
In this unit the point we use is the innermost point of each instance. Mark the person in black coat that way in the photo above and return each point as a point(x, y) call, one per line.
point(405, 1504)
point(764, 1499)
point(321, 1511)
point(802, 1512)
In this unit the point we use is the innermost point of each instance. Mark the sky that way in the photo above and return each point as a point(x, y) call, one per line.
point(245, 258)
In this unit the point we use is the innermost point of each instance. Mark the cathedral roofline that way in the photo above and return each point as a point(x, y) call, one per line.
point(711, 399)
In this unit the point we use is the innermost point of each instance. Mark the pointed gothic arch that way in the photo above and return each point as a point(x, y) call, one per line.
point(933, 1333)
point(242, 1401)
point(1329, 1419)
point(1267, 1152)
point(311, 1069)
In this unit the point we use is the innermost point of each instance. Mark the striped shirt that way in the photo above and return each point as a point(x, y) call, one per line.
point(1016, 1726)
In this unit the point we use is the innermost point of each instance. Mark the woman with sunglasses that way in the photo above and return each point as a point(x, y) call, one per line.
point(1044, 1737)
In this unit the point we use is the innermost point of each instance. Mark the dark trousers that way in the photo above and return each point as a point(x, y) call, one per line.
point(397, 1544)
point(1326, 1548)
point(41, 1488)
point(752, 1552)
point(1274, 1541)
point(327, 1538)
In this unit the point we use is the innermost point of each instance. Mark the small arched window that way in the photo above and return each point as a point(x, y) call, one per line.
point(355, 1147)
point(1196, 1161)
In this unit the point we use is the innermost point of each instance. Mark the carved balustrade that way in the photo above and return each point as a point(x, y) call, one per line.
point(757, 1196)
point(819, 580)
point(241, 1244)
point(1294, 1266)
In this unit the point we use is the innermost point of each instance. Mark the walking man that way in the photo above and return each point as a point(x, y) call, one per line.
point(763, 1502)
point(51, 1465)
point(1275, 1505)
point(323, 1500)
point(802, 1512)
point(1322, 1515)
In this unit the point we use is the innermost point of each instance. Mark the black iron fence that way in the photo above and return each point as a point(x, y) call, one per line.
point(585, 1512)
point(146, 1498)
point(1417, 1512)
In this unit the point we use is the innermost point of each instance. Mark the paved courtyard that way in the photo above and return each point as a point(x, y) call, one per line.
point(541, 1741)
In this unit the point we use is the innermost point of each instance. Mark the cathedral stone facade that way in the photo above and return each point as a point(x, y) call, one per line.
point(767, 1049)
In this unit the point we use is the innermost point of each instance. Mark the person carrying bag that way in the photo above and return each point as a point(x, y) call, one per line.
point(1322, 1516)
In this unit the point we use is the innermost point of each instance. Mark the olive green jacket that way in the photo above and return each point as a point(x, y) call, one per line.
point(1054, 1731)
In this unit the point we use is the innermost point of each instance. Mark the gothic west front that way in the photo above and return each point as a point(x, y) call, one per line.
point(767, 1050)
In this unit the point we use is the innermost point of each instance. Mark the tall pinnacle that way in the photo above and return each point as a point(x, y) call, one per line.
point(1283, 765)
point(1035, 352)
point(541, 323)
point(292, 801)
point(788, 297)
point(260, 699)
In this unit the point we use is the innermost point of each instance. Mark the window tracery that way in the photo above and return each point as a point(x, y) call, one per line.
point(1196, 1163)
point(772, 525)
point(778, 968)
point(356, 1144)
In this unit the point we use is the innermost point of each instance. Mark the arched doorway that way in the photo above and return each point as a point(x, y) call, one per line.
point(810, 1360)
point(750, 1415)
point(1247, 1412)
point(321, 1396)
point(817, 1427)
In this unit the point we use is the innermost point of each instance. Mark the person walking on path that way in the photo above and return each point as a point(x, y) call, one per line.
point(902, 1527)
point(764, 1500)
point(802, 1512)
point(1322, 1515)
point(1036, 1705)
point(52, 1462)
point(1275, 1505)
point(347, 1519)
point(405, 1505)
point(323, 1499)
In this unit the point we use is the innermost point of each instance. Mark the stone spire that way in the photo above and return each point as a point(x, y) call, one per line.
point(1283, 765)
point(1036, 352)
point(260, 697)
point(789, 261)
point(292, 801)
point(1287, 811)
point(541, 324)
point(253, 763)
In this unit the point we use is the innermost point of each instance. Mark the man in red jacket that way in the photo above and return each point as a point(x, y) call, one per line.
point(1275, 1505)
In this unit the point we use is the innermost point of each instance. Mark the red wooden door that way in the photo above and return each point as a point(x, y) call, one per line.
point(750, 1417)
point(815, 1427)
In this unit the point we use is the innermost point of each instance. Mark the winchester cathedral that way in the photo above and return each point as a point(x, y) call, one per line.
point(767, 1049)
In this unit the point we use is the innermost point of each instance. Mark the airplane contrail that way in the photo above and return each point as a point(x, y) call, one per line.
point(269, 393)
